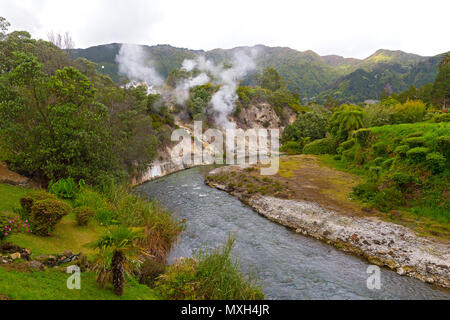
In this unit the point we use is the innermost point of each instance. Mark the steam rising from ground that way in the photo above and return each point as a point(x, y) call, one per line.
point(223, 101)
point(182, 89)
point(134, 63)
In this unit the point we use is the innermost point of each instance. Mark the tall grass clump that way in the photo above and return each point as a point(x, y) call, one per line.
point(211, 275)
point(116, 205)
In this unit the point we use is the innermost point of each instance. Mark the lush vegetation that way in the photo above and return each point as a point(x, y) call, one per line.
point(306, 73)
point(399, 145)
point(60, 118)
point(75, 131)
point(211, 276)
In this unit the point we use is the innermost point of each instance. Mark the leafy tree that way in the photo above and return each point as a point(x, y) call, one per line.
point(270, 79)
point(309, 125)
point(51, 127)
point(441, 89)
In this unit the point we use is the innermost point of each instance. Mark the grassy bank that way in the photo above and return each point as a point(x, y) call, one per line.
point(51, 285)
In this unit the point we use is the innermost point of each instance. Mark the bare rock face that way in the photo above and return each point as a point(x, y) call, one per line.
point(381, 243)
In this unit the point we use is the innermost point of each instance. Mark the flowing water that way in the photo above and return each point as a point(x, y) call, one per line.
point(288, 265)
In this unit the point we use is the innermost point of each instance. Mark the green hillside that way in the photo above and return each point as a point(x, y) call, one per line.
point(312, 76)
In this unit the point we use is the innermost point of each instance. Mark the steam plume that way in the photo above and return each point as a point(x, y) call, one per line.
point(132, 63)
point(223, 101)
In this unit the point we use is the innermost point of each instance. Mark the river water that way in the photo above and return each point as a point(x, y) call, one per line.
point(288, 265)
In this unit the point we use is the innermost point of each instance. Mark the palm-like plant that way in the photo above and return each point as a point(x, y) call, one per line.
point(346, 119)
point(118, 254)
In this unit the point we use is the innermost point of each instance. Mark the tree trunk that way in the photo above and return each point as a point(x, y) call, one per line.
point(118, 273)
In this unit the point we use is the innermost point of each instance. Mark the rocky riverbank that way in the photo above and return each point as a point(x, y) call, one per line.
point(380, 242)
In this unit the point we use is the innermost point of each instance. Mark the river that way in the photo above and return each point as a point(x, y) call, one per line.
point(288, 265)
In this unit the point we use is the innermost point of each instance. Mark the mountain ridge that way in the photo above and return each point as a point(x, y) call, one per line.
point(307, 73)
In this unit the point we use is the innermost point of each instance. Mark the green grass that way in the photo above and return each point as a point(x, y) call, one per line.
point(10, 197)
point(51, 285)
point(67, 236)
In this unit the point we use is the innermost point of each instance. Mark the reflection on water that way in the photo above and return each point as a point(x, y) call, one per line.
point(289, 266)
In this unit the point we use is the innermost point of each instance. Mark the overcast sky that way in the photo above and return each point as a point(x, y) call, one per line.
point(350, 28)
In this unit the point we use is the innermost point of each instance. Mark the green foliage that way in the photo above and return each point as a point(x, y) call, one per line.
point(436, 162)
point(292, 147)
point(61, 118)
point(345, 120)
point(402, 180)
point(28, 201)
point(270, 79)
point(388, 199)
point(441, 117)
point(309, 125)
point(64, 188)
point(200, 97)
point(46, 214)
point(322, 146)
point(443, 145)
point(83, 215)
point(441, 87)
point(362, 137)
point(417, 154)
point(211, 276)
point(366, 191)
point(404, 162)
point(414, 142)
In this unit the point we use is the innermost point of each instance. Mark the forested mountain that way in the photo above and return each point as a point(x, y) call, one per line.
point(312, 76)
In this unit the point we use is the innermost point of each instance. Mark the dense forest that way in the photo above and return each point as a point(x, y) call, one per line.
point(311, 76)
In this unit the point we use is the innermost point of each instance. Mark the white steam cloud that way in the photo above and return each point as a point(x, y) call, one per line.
point(134, 63)
point(182, 89)
point(223, 101)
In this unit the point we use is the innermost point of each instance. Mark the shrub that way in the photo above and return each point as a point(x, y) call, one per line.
point(380, 148)
point(347, 144)
point(401, 150)
point(322, 146)
point(150, 271)
point(83, 215)
point(378, 161)
point(46, 214)
point(350, 155)
point(64, 188)
point(211, 276)
point(389, 198)
point(443, 145)
point(292, 147)
point(415, 134)
point(362, 137)
point(366, 191)
point(441, 117)
point(415, 142)
point(11, 224)
point(375, 171)
point(417, 154)
point(388, 163)
point(359, 156)
point(28, 201)
point(436, 162)
point(402, 180)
